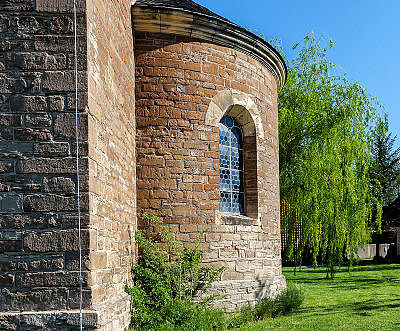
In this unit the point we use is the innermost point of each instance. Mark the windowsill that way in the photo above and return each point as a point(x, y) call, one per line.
point(235, 219)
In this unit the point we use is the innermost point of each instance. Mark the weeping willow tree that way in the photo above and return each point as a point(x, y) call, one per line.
point(325, 127)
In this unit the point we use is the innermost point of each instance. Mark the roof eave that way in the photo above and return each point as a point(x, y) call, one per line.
point(211, 29)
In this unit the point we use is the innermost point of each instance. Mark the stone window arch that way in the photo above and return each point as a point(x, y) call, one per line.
point(239, 107)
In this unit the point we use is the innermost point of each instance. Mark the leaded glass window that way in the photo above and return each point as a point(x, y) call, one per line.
point(231, 166)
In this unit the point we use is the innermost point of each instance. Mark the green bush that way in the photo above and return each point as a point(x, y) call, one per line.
point(166, 280)
point(289, 300)
point(169, 277)
point(245, 315)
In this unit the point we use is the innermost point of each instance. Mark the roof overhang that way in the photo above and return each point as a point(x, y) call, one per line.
point(210, 29)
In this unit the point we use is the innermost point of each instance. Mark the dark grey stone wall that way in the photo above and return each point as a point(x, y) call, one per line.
point(38, 218)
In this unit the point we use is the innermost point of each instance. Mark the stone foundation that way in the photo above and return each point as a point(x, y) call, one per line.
point(236, 294)
point(48, 320)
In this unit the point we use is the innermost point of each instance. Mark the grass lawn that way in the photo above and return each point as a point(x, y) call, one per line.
point(367, 298)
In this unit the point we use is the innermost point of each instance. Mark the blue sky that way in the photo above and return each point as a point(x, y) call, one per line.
point(366, 35)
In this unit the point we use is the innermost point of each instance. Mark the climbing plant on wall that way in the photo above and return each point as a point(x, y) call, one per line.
point(325, 127)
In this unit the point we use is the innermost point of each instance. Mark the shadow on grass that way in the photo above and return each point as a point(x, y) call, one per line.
point(361, 284)
point(355, 268)
point(364, 308)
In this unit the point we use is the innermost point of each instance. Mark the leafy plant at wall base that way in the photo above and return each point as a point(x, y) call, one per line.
point(167, 279)
point(288, 301)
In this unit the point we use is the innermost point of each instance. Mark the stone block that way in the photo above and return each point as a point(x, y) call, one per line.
point(10, 120)
point(39, 119)
point(10, 246)
point(14, 148)
point(9, 266)
point(49, 263)
point(29, 279)
point(49, 320)
point(83, 149)
point(10, 203)
point(72, 261)
point(64, 126)
point(30, 24)
point(12, 85)
point(58, 184)
point(21, 221)
point(71, 220)
point(63, 81)
point(56, 103)
point(55, 241)
point(9, 322)
point(51, 149)
point(65, 279)
point(49, 202)
point(6, 133)
point(39, 61)
point(6, 280)
point(28, 134)
point(6, 166)
point(50, 166)
point(24, 103)
point(61, 24)
point(4, 188)
point(74, 299)
point(4, 24)
point(63, 44)
point(59, 6)
point(40, 299)
point(82, 101)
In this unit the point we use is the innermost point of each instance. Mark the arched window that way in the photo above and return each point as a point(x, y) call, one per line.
point(231, 166)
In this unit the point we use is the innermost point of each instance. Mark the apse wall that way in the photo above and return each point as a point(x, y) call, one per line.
point(183, 88)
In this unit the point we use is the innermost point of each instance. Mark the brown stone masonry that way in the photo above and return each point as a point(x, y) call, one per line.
point(112, 160)
point(177, 81)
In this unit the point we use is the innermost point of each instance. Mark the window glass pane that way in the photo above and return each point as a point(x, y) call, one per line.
point(224, 157)
point(236, 159)
point(225, 180)
point(226, 201)
point(224, 135)
point(238, 203)
point(236, 137)
point(231, 165)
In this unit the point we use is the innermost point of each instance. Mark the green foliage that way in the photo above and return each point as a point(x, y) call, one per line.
point(325, 132)
point(385, 166)
point(166, 279)
point(292, 298)
point(289, 300)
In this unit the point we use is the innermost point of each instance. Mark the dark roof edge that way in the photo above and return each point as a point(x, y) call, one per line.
point(234, 27)
point(166, 6)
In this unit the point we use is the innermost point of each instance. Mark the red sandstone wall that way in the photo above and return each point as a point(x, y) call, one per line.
point(112, 167)
point(177, 154)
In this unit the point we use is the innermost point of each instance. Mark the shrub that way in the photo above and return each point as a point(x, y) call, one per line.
point(289, 300)
point(166, 280)
point(245, 315)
